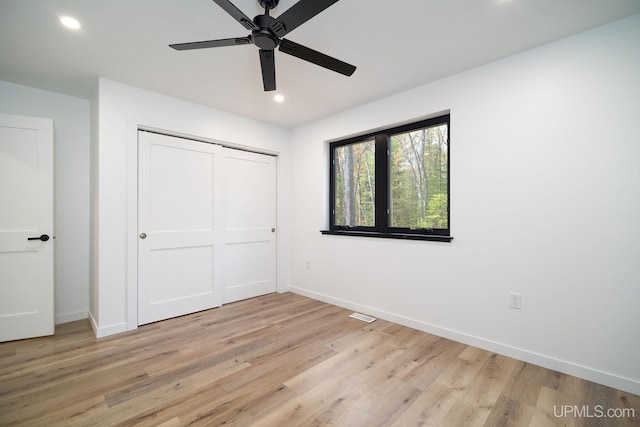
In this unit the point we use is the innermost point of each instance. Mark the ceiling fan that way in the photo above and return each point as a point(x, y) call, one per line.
point(267, 33)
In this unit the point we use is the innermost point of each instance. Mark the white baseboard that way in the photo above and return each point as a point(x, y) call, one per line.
point(565, 367)
point(93, 324)
point(104, 331)
point(70, 317)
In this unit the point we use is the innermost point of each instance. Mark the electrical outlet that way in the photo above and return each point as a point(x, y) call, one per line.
point(515, 300)
point(308, 265)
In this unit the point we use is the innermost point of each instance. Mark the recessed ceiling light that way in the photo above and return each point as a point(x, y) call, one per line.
point(69, 22)
point(278, 98)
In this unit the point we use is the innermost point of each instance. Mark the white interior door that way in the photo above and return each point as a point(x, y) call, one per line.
point(179, 250)
point(26, 212)
point(249, 202)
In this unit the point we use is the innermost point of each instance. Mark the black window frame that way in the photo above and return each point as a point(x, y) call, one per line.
point(382, 229)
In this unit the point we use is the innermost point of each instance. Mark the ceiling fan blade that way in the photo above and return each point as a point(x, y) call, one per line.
point(268, 64)
point(212, 43)
point(310, 55)
point(298, 14)
point(236, 14)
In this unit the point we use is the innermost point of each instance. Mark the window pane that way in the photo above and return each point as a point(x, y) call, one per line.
point(355, 178)
point(419, 178)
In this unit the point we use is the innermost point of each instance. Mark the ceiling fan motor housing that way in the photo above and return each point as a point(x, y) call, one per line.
point(263, 37)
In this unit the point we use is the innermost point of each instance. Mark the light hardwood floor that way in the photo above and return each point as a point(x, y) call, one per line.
point(285, 360)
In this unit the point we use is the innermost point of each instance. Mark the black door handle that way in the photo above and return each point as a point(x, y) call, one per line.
point(44, 238)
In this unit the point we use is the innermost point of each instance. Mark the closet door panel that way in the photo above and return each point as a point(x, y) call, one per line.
point(179, 244)
point(249, 204)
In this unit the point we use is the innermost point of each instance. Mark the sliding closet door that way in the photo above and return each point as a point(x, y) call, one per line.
point(249, 204)
point(179, 244)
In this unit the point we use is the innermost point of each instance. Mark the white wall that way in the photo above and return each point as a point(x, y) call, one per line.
point(545, 201)
point(119, 110)
point(71, 210)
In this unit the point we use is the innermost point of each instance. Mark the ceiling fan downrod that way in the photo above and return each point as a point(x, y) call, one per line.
point(267, 5)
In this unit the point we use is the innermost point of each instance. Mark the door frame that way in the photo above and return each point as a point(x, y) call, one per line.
point(134, 124)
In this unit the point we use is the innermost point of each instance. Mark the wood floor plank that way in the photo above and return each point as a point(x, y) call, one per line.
point(548, 408)
point(441, 396)
point(429, 408)
point(508, 412)
point(390, 404)
point(284, 360)
point(155, 394)
point(433, 357)
point(326, 396)
point(489, 383)
point(77, 413)
point(243, 406)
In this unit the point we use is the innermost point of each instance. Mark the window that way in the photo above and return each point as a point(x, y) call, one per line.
point(355, 177)
point(394, 183)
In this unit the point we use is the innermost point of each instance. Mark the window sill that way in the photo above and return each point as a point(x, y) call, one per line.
point(402, 236)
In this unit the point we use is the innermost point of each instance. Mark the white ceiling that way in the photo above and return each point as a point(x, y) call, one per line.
point(396, 45)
